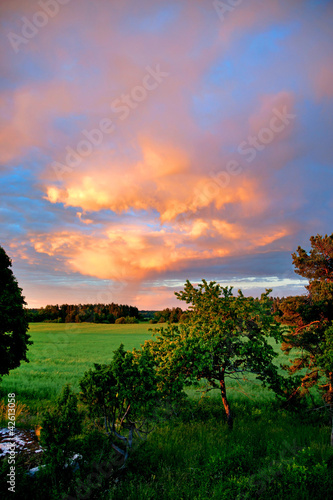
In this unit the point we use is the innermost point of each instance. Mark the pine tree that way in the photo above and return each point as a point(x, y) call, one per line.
point(14, 339)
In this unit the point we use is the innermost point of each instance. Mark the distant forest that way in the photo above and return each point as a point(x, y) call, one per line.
point(93, 313)
point(102, 313)
point(119, 313)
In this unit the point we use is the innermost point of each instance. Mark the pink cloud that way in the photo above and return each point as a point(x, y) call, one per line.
point(129, 250)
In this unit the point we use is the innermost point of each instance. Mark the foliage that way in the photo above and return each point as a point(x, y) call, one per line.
point(60, 426)
point(120, 321)
point(94, 313)
point(190, 455)
point(317, 265)
point(225, 336)
point(59, 437)
point(14, 339)
point(172, 315)
point(288, 309)
point(146, 315)
point(129, 320)
point(124, 393)
point(311, 318)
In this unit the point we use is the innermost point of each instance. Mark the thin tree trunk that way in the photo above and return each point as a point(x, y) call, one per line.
point(226, 402)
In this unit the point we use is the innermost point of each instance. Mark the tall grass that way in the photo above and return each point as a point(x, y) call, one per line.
point(61, 353)
point(269, 454)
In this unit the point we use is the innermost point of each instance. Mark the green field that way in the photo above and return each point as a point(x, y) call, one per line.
point(61, 353)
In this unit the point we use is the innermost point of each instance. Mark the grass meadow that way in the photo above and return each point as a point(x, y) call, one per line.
point(61, 353)
point(271, 453)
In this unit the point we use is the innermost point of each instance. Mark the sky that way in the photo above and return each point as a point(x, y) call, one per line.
point(146, 143)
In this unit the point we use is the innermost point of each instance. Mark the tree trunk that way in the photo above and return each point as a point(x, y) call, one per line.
point(226, 402)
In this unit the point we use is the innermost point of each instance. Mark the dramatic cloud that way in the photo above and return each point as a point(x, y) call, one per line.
point(144, 143)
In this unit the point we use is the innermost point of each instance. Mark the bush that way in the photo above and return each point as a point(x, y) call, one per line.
point(59, 438)
point(131, 320)
point(126, 395)
point(120, 321)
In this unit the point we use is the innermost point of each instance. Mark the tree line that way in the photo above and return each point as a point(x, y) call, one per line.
point(92, 313)
point(102, 313)
point(172, 315)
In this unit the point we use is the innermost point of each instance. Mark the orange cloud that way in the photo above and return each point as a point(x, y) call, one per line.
point(120, 253)
point(161, 181)
point(130, 251)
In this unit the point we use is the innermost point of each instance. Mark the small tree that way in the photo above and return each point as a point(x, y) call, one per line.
point(225, 336)
point(61, 424)
point(14, 339)
point(124, 393)
point(59, 436)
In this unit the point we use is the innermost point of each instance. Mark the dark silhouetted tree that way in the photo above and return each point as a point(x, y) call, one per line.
point(14, 339)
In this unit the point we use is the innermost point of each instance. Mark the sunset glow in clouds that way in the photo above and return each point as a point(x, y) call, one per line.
point(146, 143)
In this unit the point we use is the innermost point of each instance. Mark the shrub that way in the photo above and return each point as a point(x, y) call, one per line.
point(120, 321)
point(59, 438)
point(131, 320)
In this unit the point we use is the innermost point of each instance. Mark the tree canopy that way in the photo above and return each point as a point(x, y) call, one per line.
point(317, 265)
point(14, 339)
point(311, 319)
point(124, 393)
point(225, 336)
point(94, 313)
